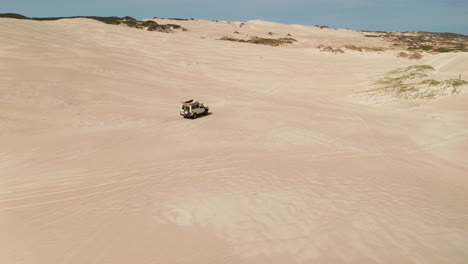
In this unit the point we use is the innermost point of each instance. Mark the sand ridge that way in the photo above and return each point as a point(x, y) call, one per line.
point(97, 166)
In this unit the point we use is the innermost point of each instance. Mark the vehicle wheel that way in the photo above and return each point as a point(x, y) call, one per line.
point(194, 116)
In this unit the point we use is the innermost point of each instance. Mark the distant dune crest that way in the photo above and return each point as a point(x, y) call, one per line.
point(322, 145)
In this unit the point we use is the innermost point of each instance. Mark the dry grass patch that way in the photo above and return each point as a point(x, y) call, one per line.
point(411, 83)
point(330, 49)
point(326, 49)
point(402, 55)
point(262, 41)
point(414, 56)
point(164, 28)
point(352, 47)
point(428, 41)
point(113, 20)
point(360, 49)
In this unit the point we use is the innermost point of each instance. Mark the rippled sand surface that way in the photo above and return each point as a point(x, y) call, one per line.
point(96, 165)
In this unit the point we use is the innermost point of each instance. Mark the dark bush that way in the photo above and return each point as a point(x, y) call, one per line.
point(180, 19)
point(132, 23)
point(443, 50)
point(263, 41)
point(148, 23)
point(13, 15)
point(160, 28)
point(174, 26)
point(108, 20)
point(113, 20)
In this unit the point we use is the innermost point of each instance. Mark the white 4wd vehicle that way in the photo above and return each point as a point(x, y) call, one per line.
point(192, 108)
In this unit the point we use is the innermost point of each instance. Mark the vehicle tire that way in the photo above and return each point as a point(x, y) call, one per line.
point(194, 116)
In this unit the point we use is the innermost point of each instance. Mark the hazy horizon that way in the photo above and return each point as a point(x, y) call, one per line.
point(432, 15)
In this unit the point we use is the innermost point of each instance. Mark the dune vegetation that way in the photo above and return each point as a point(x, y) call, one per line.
point(262, 41)
point(112, 20)
point(98, 166)
point(428, 41)
point(412, 82)
point(353, 47)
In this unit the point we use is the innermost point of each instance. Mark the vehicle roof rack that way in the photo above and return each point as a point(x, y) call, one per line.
point(190, 102)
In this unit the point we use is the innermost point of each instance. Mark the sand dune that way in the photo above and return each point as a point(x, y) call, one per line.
point(97, 166)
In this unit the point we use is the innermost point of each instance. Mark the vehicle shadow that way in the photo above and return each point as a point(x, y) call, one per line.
point(201, 116)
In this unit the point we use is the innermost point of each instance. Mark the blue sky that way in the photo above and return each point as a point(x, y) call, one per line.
point(387, 15)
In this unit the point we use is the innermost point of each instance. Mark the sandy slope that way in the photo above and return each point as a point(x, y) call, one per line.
point(96, 166)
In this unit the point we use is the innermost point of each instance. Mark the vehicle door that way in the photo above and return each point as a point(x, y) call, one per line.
point(198, 109)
